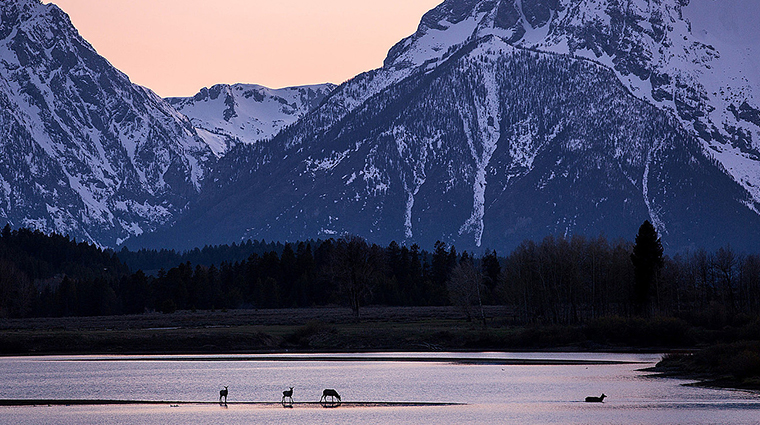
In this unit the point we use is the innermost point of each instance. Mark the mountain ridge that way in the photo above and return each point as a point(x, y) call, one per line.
point(393, 201)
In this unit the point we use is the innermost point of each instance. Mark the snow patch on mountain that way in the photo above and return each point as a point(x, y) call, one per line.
point(523, 148)
point(324, 164)
point(413, 174)
point(654, 211)
point(436, 42)
point(374, 176)
point(483, 130)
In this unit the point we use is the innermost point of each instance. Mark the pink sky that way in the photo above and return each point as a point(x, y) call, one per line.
point(175, 47)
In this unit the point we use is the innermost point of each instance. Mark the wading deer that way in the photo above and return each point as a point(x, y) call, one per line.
point(329, 392)
point(287, 394)
point(223, 393)
point(599, 399)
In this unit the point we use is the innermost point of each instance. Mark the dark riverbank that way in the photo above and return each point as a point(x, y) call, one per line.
point(708, 355)
point(253, 331)
point(336, 329)
point(724, 365)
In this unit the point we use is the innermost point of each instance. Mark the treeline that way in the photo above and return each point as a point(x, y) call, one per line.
point(43, 275)
point(557, 281)
point(570, 280)
point(53, 275)
point(151, 260)
point(347, 271)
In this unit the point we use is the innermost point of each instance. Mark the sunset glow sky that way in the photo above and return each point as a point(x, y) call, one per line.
point(175, 47)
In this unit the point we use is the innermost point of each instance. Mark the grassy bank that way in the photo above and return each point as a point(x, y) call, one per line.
point(314, 329)
point(336, 329)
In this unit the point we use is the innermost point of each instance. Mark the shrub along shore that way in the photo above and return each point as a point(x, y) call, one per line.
point(724, 365)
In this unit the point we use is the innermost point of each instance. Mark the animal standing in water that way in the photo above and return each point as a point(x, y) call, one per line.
point(223, 393)
point(329, 392)
point(599, 399)
point(287, 398)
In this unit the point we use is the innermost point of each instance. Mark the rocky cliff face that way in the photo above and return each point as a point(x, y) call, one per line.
point(84, 151)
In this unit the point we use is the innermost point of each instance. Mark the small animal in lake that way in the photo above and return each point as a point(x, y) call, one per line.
point(599, 399)
point(223, 394)
point(329, 392)
point(287, 394)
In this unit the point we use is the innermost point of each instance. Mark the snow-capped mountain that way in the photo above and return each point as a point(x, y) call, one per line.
point(225, 115)
point(709, 81)
point(83, 151)
point(495, 122)
point(499, 121)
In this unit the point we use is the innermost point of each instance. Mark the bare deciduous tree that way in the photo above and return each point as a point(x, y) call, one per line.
point(464, 288)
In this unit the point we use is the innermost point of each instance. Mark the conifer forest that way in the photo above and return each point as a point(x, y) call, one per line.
point(558, 280)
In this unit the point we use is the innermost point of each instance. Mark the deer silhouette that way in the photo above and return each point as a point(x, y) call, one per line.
point(287, 394)
point(223, 394)
point(329, 392)
point(599, 399)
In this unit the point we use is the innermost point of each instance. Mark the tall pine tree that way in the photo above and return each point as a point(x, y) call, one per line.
point(647, 262)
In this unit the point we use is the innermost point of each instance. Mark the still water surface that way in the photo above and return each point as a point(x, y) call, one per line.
point(490, 392)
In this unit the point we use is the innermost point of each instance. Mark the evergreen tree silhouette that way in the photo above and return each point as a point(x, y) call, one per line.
point(647, 262)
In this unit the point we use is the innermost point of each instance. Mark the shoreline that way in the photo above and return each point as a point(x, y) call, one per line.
point(703, 381)
point(312, 330)
point(723, 366)
point(456, 360)
point(90, 402)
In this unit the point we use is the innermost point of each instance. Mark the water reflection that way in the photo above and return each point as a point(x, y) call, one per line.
point(491, 392)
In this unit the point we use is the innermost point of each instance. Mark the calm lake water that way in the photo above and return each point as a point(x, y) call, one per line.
point(490, 393)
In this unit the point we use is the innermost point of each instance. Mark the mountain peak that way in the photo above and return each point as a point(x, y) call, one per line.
point(702, 79)
point(529, 23)
point(225, 115)
point(15, 12)
point(453, 22)
point(85, 152)
point(493, 145)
